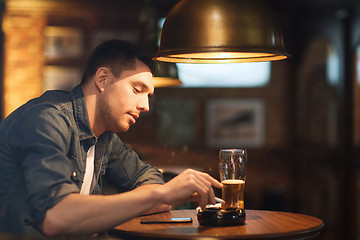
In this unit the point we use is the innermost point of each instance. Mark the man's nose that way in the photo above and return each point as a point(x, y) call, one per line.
point(144, 104)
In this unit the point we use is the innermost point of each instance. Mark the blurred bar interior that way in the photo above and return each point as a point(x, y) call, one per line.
point(299, 118)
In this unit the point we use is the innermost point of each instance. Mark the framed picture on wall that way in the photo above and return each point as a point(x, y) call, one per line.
point(235, 123)
point(61, 78)
point(61, 43)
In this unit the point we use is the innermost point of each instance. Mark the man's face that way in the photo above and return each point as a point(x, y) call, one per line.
point(124, 98)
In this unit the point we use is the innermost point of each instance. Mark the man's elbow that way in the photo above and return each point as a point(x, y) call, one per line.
point(51, 226)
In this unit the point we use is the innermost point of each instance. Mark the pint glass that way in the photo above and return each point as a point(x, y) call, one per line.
point(233, 168)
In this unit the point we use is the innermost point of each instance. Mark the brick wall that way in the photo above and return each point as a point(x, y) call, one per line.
point(23, 58)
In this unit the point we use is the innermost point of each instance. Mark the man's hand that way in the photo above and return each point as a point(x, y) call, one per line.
point(190, 185)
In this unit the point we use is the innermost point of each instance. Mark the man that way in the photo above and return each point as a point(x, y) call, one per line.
point(55, 148)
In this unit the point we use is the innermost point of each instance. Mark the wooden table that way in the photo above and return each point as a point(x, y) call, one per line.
point(259, 225)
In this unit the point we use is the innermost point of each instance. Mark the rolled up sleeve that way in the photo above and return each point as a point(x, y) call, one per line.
point(40, 143)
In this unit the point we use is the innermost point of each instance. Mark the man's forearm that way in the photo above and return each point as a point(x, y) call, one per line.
point(80, 214)
point(159, 208)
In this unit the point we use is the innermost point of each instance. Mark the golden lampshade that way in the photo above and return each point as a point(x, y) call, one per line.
point(221, 31)
point(166, 82)
point(166, 75)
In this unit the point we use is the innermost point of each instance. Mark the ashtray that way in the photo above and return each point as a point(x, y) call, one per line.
point(215, 216)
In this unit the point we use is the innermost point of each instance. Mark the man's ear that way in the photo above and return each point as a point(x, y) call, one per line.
point(101, 78)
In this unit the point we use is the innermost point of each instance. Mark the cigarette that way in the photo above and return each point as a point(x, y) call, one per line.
point(219, 200)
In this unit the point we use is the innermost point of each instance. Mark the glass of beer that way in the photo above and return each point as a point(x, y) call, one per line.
point(233, 168)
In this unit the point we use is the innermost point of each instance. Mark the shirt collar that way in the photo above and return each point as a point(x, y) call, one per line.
point(81, 114)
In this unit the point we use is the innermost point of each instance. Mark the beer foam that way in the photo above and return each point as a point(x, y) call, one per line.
point(233, 181)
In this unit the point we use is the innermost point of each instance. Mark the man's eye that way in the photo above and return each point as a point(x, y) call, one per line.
point(137, 90)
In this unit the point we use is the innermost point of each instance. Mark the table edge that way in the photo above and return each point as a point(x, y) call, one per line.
point(308, 233)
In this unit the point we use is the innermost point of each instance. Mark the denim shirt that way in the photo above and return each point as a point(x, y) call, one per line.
point(43, 145)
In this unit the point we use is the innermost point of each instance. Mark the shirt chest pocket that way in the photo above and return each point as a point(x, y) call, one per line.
point(77, 171)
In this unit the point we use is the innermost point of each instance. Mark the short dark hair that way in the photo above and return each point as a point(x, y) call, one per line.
point(117, 55)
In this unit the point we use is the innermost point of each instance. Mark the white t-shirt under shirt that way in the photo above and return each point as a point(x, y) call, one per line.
point(89, 177)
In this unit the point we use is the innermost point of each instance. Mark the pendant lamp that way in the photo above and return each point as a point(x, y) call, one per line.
point(221, 31)
point(165, 82)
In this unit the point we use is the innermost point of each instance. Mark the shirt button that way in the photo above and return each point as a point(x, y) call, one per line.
point(74, 176)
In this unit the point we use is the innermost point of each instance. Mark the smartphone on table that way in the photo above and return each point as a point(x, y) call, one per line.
point(166, 220)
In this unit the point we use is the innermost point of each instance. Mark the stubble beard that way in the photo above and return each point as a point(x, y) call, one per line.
point(110, 122)
point(114, 124)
